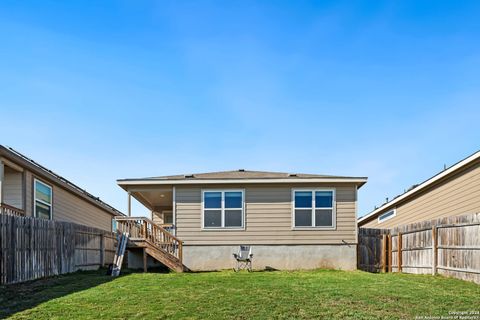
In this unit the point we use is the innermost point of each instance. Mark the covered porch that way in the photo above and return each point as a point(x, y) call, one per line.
point(12, 188)
point(159, 200)
point(152, 240)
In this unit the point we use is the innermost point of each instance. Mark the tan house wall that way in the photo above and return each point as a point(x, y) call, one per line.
point(458, 194)
point(157, 216)
point(69, 207)
point(268, 217)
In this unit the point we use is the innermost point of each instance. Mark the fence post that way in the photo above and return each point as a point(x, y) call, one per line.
point(102, 250)
point(434, 249)
point(399, 252)
point(384, 253)
point(389, 252)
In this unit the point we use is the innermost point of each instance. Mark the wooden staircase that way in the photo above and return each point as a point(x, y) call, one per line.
point(154, 240)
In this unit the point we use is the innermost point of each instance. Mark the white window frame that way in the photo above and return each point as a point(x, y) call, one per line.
point(35, 181)
point(222, 227)
point(380, 220)
point(333, 208)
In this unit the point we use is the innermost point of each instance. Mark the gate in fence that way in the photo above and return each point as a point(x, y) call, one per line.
point(371, 249)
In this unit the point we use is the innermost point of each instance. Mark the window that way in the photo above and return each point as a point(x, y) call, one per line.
point(314, 208)
point(387, 215)
point(42, 200)
point(168, 217)
point(223, 209)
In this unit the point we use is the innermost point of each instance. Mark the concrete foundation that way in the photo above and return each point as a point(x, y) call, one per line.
point(281, 257)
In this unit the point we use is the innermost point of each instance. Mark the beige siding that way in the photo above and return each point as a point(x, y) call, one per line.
point(157, 217)
point(268, 218)
point(13, 188)
point(69, 207)
point(457, 195)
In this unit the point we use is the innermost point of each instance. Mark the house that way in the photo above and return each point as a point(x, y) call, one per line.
point(29, 189)
point(454, 191)
point(292, 221)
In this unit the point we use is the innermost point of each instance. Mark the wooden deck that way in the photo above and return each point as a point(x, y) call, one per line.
point(154, 240)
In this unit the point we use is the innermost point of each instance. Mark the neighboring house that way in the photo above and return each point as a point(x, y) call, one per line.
point(454, 191)
point(292, 221)
point(29, 189)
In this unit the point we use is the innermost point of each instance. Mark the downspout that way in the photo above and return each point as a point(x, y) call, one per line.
point(129, 204)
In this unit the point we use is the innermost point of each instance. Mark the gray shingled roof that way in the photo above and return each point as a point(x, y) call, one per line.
point(242, 174)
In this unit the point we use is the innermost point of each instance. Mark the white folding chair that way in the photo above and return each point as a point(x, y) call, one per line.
point(244, 258)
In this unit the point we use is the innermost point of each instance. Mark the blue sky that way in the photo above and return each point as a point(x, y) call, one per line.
point(98, 91)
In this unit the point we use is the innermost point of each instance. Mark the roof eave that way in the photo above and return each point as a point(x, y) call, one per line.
point(459, 165)
point(359, 181)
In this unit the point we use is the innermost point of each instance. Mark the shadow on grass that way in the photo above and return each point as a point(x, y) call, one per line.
point(18, 297)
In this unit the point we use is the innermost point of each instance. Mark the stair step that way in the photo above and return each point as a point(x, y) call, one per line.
point(168, 260)
point(157, 242)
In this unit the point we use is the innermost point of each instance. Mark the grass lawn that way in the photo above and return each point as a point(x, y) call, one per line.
point(228, 295)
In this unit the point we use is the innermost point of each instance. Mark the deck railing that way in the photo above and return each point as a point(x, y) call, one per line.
point(10, 210)
point(167, 226)
point(140, 228)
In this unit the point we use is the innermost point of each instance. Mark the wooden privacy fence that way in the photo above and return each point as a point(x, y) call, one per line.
point(370, 248)
point(448, 246)
point(32, 248)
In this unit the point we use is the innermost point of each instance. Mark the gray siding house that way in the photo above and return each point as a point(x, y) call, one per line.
point(292, 221)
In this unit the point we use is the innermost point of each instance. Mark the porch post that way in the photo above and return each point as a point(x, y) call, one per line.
point(174, 211)
point(145, 261)
point(129, 204)
point(2, 170)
